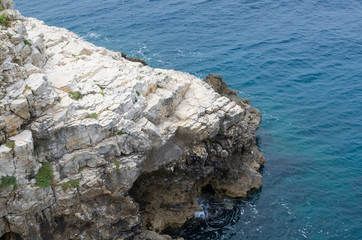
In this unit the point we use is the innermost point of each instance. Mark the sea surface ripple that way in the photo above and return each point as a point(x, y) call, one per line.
point(298, 61)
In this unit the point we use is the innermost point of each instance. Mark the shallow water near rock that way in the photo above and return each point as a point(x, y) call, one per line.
point(299, 62)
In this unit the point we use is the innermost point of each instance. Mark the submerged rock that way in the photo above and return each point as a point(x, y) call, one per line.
point(101, 147)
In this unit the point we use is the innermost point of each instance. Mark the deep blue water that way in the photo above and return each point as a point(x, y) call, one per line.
point(299, 62)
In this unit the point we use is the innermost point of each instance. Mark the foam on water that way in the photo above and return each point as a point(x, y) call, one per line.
point(299, 62)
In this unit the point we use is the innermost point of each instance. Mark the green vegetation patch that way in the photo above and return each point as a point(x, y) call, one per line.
point(158, 86)
point(71, 183)
point(4, 20)
point(117, 163)
point(102, 88)
point(121, 132)
point(1, 7)
point(27, 42)
point(80, 169)
point(93, 115)
point(75, 95)
point(10, 144)
point(8, 181)
point(36, 145)
point(45, 175)
point(138, 93)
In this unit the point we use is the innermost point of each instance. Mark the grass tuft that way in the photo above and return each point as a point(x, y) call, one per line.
point(121, 133)
point(75, 95)
point(27, 42)
point(10, 144)
point(45, 175)
point(102, 88)
point(93, 115)
point(138, 93)
point(117, 163)
point(71, 183)
point(8, 181)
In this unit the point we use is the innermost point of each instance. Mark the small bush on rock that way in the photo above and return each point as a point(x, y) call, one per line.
point(45, 175)
point(4, 20)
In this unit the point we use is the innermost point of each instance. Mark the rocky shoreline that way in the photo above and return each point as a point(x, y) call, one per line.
point(96, 145)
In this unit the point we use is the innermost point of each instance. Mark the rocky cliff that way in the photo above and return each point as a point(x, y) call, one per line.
point(94, 145)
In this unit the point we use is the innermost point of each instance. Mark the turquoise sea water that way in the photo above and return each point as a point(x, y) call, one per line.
point(299, 62)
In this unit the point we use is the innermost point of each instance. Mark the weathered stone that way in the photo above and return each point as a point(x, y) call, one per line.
point(21, 108)
point(12, 123)
point(7, 165)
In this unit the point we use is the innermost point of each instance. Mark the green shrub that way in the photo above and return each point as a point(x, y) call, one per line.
point(4, 20)
point(45, 175)
point(80, 169)
point(1, 7)
point(75, 95)
point(71, 183)
point(93, 115)
point(138, 93)
point(158, 86)
point(8, 181)
point(121, 133)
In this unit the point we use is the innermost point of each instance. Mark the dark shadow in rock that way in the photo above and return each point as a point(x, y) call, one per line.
point(11, 236)
point(134, 59)
point(217, 213)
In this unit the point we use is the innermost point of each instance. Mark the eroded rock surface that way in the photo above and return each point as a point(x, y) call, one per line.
point(128, 147)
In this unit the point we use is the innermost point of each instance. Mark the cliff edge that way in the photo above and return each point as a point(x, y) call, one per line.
point(95, 146)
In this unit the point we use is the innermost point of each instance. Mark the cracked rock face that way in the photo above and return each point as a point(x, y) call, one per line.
point(129, 147)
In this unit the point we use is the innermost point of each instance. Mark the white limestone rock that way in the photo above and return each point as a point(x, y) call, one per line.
point(104, 122)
